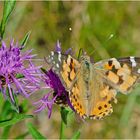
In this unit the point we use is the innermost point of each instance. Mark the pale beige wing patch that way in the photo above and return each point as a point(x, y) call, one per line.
point(118, 73)
point(115, 75)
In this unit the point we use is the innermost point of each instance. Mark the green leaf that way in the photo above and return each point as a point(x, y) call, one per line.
point(22, 136)
point(24, 106)
point(76, 135)
point(6, 131)
point(34, 132)
point(7, 10)
point(19, 76)
point(43, 70)
point(25, 39)
point(6, 110)
point(17, 118)
point(64, 114)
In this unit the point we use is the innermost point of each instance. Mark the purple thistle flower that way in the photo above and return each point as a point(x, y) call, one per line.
point(17, 72)
point(54, 82)
point(45, 102)
point(58, 93)
point(58, 46)
point(58, 49)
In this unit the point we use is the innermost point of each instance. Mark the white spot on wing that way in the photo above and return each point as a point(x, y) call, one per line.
point(138, 71)
point(132, 59)
point(59, 57)
point(116, 63)
point(52, 53)
point(69, 59)
point(57, 65)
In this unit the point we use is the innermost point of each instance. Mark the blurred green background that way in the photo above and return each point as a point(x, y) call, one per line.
point(103, 30)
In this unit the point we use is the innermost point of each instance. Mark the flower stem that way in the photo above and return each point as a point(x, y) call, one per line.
point(62, 128)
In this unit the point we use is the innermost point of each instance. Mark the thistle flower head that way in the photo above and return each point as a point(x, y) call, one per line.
point(58, 93)
point(17, 72)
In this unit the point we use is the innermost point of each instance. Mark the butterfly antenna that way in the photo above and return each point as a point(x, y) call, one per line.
point(45, 58)
point(80, 53)
point(93, 52)
point(108, 39)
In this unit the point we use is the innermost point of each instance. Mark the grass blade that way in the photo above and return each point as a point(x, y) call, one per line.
point(16, 119)
point(22, 136)
point(76, 135)
point(127, 112)
point(5, 132)
point(25, 39)
point(34, 132)
point(8, 8)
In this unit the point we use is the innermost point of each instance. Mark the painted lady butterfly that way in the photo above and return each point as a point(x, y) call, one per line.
point(92, 87)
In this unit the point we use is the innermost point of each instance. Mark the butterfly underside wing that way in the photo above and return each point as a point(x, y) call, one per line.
point(122, 74)
point(93, 87)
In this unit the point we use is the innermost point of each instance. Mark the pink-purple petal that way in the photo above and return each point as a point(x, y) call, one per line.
point(13, 62)
point(53, 82)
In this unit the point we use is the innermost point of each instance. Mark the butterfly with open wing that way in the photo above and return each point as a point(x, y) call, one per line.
point(92, 87)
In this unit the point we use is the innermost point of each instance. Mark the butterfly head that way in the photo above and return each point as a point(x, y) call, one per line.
point(85, 60)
